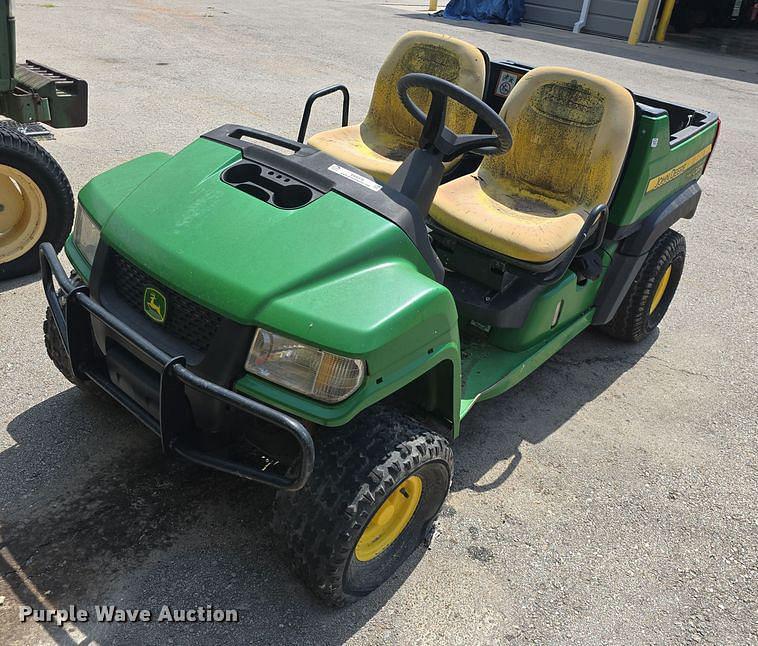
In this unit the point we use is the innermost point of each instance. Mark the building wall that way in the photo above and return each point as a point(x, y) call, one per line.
point(606, 17)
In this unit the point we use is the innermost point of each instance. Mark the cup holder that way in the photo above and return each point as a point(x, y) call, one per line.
point(269, 185)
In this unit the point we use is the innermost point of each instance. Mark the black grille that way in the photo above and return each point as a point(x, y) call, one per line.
point(185, 319)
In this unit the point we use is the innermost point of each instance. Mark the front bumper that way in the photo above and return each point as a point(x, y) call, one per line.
point(73, 321)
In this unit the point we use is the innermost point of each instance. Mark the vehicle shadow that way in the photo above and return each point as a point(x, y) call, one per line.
point(14, 283)
point(495, 430)
point(674, 55)
point(93, 514)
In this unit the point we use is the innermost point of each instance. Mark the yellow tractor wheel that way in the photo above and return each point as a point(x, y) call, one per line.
point(36, 204)
point(376, 490)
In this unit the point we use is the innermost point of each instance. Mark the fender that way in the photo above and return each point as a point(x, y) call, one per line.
point(635, 242)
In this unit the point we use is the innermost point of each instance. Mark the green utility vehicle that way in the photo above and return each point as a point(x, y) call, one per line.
point(36, 204)
point(320, 317)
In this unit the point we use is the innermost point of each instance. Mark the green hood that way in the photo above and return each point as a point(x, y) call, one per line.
point(332, 272)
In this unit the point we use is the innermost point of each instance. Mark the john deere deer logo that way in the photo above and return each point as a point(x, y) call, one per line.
point(154, 304)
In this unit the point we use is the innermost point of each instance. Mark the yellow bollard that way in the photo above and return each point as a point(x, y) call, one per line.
point(432, 5)
point(663, 23)
point(639, 19)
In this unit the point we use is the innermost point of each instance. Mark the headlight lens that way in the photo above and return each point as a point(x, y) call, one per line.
point(316, 373)
point(86, 234)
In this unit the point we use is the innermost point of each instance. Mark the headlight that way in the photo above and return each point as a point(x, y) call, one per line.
point(303, 368)
point(86, 234)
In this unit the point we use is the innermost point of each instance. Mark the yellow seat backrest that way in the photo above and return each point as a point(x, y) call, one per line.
point(571, 131)
point(388, 127)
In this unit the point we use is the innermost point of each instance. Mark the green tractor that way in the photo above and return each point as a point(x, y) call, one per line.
point(320, 317)
point(36, 204)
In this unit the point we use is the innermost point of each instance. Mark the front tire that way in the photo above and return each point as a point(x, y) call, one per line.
point(652, 291)
point(36, 203)
point(58, 355)
point(375, 492)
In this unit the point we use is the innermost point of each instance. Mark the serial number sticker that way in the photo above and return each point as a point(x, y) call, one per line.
point(355, 177)
point(505, 84)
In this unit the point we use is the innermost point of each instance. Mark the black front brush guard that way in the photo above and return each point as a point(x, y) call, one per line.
point(73, 322)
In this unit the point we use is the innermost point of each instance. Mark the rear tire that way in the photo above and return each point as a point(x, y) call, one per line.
point(381, 455)
point(652, 291)
point(41, 191)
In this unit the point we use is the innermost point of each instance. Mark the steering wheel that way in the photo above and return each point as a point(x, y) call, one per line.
point(436, 135)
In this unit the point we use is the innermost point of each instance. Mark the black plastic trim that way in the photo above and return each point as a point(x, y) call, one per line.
point(73, 322)
point(682, 205)
point(506, 308)
point(636, 241)
point(618, 279)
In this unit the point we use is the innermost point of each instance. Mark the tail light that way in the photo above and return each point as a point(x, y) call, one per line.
point(713, 145)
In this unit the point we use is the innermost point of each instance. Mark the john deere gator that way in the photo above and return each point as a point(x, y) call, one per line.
point(320, 317)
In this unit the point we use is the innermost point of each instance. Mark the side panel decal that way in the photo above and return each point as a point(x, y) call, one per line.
point(669, 175)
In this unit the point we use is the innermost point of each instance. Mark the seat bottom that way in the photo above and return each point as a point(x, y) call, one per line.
point(348, 145)
point(378, 156)
point(512, 226)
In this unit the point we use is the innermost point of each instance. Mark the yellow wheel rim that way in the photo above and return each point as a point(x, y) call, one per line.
point(660, 290)
point(23, 213)
point(390, 519)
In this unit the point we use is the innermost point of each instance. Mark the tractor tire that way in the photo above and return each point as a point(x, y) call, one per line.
point(36, 203)
point(330, 530)
point(57, 353)
point(652, 291)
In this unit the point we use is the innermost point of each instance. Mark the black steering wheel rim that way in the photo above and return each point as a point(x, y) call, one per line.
point(436, 134)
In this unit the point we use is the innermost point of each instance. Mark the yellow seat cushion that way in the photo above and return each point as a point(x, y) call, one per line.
point(359, 147)
point(389, 133)
point(349, 145)
point(571, 132)
point(512, 226)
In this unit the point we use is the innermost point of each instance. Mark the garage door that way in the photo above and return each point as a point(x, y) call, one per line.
point(606, 17)
point(611, 17)
point(556, 13)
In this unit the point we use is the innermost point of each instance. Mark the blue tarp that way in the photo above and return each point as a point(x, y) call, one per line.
point(508, 12)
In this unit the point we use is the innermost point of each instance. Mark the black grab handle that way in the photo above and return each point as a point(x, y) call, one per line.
point(234, 135)
point(317, 95)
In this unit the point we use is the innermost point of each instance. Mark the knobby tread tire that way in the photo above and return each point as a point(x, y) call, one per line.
point(357, 467)
point(57, 353)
